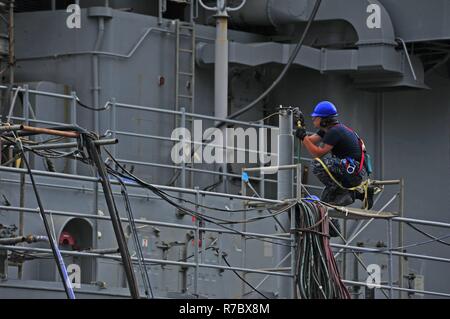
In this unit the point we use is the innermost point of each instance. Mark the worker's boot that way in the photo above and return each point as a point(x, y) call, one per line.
point(358, 195)
point(343, 198)
point(370, 194)
point(328, 194)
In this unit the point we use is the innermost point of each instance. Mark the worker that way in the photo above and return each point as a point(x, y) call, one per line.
point(347, 163)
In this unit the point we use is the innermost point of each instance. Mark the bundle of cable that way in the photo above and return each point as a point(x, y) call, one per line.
point(317, 272)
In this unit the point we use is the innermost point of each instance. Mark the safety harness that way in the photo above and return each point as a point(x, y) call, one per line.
point(363, 187)
point(361, 145)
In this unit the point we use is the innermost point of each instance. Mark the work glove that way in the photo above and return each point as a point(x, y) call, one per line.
point(300, 132)
point(299, 118)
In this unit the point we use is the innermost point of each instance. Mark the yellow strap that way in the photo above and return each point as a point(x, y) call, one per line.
point(334, 179)
point(362, 188)
point(18, 163)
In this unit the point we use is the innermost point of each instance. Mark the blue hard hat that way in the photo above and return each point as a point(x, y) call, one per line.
point(325, 109)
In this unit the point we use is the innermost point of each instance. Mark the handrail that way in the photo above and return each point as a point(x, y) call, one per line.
point(143, 222)
point(115, 105)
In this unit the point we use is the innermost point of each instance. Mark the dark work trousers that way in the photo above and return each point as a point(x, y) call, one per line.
point(339, 172)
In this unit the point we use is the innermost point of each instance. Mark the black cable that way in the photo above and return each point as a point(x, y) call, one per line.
point(141, 261)
point(274, 84)
point(193, 255)
point(241, 278)
point(10, 140)
point(199, 215)
point(356, 256)
point(188, 257)
point(244, 210)
point(317, 275)
point(427, 235)
point(50, 165)
point(258, 218)
point(210, 207)
point(186, 210)
point(20, 253)
point(253, 219)
point(268, 209)
point(47, 155)
point(285, 69)
point(103, 108)
point(209, 188)
point(115, 217)
point(219, 221)
point(195, 214)
point(57, 256)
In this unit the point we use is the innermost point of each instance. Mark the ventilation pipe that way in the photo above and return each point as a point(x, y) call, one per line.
point(271, 12)
point(276, 13)
point(375, 55)
point(101, 14)
point(369, 18)
point(221, 68)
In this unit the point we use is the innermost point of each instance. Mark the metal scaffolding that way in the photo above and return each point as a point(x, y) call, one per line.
point(283, 266)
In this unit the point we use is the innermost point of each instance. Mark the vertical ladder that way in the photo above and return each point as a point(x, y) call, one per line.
point(185, 72)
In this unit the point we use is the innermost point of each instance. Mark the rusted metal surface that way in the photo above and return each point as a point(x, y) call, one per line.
point(41, 130)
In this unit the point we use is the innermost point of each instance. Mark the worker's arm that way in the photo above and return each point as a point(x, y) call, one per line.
point(310, 143)
point(315, 138)
point(314, 150)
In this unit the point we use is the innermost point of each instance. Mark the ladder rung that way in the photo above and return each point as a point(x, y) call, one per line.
point(186, 50)
point(186, 35)
point(185, 96)
point(185, 26)
point(185, 73)
point(188, 119)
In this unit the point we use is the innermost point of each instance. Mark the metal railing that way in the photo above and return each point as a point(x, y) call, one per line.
point(197, 264)
point(112, 107)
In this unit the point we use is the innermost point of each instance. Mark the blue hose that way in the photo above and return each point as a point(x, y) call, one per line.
point(66, 278)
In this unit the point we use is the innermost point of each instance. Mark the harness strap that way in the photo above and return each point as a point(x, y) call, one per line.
point(362, 188)
point(361, 145)
point(336, 181)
